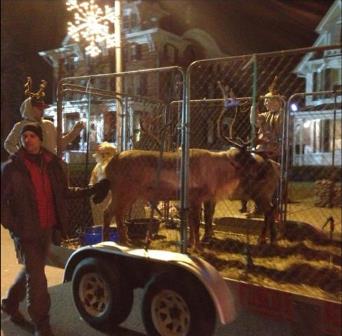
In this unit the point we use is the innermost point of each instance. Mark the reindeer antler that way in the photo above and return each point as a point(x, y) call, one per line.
point(28, 87)
point(219, 124)
point(35, 95)
point(240, 144)
point(149, 133)
point(41, 92)
point(224, 95)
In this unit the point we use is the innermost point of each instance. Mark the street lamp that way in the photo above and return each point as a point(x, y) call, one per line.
point(118, 69)
point(92, 24)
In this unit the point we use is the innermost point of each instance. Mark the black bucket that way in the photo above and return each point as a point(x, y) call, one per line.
point(137, 227)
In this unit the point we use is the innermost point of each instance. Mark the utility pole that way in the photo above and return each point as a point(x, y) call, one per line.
point(118, 69)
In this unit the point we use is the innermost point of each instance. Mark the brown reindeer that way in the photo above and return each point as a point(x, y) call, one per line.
point(259, 182)
point(212, 176)
point(145, 174)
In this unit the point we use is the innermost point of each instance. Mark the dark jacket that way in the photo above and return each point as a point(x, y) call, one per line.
point(19, 212)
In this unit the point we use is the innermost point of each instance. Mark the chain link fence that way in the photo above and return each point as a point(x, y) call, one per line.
point(229, 101)
point(226, 103)
point(127, 111)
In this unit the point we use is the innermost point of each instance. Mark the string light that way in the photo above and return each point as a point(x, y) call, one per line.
point(92, 24)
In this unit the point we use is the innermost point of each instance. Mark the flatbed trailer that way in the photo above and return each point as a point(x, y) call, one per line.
point(228, 298)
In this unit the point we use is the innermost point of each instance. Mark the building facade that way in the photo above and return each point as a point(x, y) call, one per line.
point(317, 123)
point(148, 42)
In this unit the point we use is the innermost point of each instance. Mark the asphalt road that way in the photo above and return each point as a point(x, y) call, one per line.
point(65, 320)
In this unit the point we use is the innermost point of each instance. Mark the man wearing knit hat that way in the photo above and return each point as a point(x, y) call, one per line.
point(269, 140)
point(269, 124)
point(32, 110)
point(36, 129)
point(33, 202)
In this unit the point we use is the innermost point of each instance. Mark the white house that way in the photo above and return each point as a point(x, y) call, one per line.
point(317, 119)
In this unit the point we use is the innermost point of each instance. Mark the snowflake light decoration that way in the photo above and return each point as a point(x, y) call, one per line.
point(92, 24)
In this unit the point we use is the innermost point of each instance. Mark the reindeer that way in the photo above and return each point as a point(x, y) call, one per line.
point(145, 174)
point(152, 176)
point(232, 174)
point(259, 174)
point(259, 179)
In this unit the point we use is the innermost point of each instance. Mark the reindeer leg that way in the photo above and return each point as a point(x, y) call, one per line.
point(271, 224)
point(264, 205)
point(209, 210)
point(194, 223)
point(107, 219)
point(262, 237)
point(243, 208)
point(122, 228)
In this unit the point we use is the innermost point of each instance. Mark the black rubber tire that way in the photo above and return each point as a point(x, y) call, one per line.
point(101, 295)
point(177, 304)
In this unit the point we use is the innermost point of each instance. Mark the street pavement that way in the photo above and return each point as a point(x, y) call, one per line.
point(66, 321)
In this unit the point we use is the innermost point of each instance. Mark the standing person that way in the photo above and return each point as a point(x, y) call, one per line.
point(33, 201)
point(103, 154)
point(269, 124)
point(269, 130)
point(32, 110)
point(269, 136)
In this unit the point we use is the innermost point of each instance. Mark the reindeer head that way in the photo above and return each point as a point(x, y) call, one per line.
point(240, 152)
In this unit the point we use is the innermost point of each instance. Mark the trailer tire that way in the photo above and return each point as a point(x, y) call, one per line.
point(177, 305)
point(100, 294)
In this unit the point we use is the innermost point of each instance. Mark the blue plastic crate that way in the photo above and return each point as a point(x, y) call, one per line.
point(93, 235)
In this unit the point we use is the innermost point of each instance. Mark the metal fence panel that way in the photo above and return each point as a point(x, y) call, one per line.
point(128, 111)
point(226, 97)
point(223, 101)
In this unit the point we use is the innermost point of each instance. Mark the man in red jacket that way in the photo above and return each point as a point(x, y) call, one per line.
point(33, 202)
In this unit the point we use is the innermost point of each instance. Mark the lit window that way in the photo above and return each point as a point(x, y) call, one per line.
point(135, 52)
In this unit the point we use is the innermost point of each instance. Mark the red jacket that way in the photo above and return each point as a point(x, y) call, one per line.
point(20, 202)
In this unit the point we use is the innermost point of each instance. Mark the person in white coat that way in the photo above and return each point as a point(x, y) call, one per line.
point(103, 154)
point(32, 111)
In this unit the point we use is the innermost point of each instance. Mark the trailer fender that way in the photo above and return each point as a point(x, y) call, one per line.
point(210, 278)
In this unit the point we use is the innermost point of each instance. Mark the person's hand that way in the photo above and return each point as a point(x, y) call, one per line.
point(79, 126)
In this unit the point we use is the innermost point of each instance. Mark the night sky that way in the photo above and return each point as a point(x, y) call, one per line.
point(239, 26)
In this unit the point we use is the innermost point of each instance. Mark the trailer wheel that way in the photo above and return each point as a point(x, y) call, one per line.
point(177, 306)
point(101, 296)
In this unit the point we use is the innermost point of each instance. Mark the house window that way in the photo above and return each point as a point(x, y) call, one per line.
point(317, 85)
point(326, 80)
point(135, 52)
point(129, 85)
point(109, 126)
point(325, 127)
point(321, 135)
point(315, 137)
point(130, 21)
point(143, 85)
point(335, 76)
point(170, 54)
point(140, 85)
point(189, 55)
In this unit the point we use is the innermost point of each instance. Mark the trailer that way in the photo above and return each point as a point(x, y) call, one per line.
point(183, 294)
point(313, 315)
